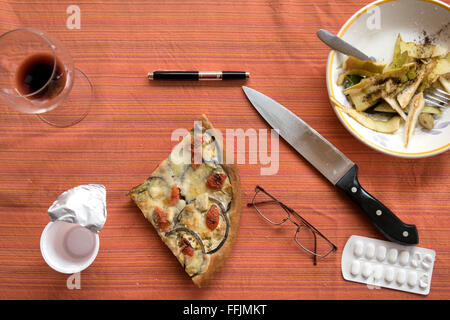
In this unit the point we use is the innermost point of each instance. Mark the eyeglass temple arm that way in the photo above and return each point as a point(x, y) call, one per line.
point(292, 211)
point(261, 202)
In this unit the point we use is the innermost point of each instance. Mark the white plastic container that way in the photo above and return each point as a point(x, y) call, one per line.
point(68, 247)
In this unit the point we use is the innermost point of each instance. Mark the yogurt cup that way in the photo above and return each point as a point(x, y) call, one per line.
point(68, 247)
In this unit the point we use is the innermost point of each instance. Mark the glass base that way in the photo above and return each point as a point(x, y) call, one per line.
point(75, 107)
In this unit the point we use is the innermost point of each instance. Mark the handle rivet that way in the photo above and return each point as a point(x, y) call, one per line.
point(405, 233)
point(378, 212)
point(354, 189)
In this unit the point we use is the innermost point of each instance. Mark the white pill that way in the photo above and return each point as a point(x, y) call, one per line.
point(389, 275)
point(427, 261)
point(403, 258)
point(355, 267)
point(358, 249)
point(412, 278)
point(381, 253)
point(367, 270)
point(423, 281)
point(392, 255)
point(415, 260)
point(401, 277)
point(370, 250)
point(377, 272)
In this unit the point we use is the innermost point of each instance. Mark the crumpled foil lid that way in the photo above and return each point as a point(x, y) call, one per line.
point(84, 205)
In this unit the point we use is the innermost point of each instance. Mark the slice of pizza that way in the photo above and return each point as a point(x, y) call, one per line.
point(193, 201)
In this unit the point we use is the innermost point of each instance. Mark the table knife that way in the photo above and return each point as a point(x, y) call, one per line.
point(333, 164)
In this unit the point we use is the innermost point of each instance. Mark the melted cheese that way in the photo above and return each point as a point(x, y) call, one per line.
point(201, 202)
point(209, 152)
point(180, 157)
point(194, 219)
point(192, 265)
point(193, 182)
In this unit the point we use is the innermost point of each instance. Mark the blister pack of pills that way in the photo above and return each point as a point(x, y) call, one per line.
point(387, 264)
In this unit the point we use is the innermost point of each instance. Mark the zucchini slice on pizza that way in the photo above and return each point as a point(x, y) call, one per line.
point(193, 201)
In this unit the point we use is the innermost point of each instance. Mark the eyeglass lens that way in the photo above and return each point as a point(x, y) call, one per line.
point(275, 213)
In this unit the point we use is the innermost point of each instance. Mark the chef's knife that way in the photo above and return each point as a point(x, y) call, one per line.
point(333, 164)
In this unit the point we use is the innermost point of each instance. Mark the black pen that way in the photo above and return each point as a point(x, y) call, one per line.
point(198, 75)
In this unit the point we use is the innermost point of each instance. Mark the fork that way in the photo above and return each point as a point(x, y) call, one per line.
point(437, 97)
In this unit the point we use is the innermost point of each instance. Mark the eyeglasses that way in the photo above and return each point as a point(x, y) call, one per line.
point(306, 236)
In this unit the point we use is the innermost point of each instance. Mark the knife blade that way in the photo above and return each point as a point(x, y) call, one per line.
point(333, 164)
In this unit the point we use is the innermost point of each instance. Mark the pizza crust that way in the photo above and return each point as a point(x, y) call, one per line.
point(212, 262)
point(217, 259)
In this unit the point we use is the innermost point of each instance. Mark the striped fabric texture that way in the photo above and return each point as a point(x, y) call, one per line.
point(128, 132)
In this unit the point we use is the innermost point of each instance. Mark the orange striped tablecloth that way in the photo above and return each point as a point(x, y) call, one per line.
point(127, 134)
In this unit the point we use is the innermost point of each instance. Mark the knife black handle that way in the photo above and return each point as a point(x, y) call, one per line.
point(383, 218)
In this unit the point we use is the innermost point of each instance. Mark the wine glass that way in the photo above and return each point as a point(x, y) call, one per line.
point(37, 76)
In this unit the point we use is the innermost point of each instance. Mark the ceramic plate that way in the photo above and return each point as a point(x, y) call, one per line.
point(373, 30)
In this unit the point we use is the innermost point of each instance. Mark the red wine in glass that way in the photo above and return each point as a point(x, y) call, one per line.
point(37, 74)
